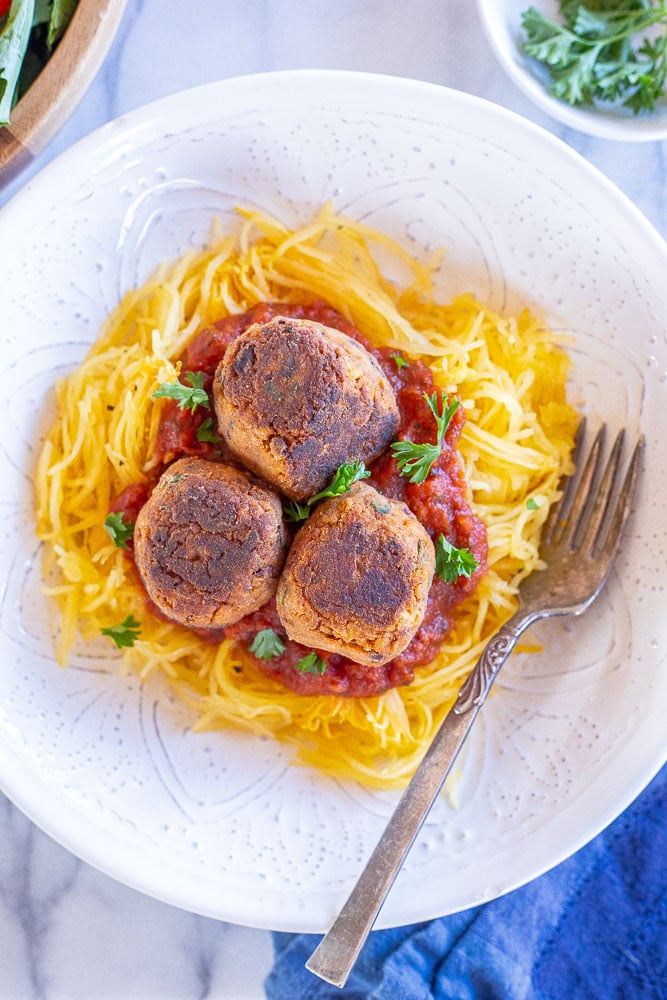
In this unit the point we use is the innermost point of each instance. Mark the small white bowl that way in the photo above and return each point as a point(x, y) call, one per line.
point(501, 20)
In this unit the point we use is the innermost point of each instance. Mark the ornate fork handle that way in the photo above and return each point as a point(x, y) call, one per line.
point(476, 688)
point(334, 957)
point(581, 539)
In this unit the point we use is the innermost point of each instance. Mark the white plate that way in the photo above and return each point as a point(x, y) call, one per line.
point(222, 824)
point(502, 23)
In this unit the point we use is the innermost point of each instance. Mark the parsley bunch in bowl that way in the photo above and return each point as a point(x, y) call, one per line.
point(604, 51)
point(29, 33)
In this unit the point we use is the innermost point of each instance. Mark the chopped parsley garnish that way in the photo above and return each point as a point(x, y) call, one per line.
point(532, 504)
point(444, 419)
point(415, 460)
point(601, 51)
point(125, 634)
point(188, 397)
point(399, 361)
point(207, 432)
point(311, 664)
point(451, 563)
point(267, 644)
point(120, 529)
point(346, 474)
point(295, 511)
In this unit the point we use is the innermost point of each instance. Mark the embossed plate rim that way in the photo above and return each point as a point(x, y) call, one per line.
point(422, 890)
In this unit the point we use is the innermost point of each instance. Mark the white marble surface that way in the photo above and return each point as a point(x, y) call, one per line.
point(67, 931)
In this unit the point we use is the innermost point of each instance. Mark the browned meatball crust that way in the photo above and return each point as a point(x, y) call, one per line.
point(357, 577)
point(295, 399)
point(209, 543)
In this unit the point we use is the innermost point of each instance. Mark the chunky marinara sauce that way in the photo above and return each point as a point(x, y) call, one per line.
point(439, 503)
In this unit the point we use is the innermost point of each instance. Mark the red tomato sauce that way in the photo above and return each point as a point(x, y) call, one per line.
point(439, 503)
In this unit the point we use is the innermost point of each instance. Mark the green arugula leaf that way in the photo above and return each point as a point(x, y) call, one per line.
point(62, 12)
point(311, 664)
point(451, 563)
point(125, 634)
point(188, 397)
point(267, 644)
point(120, 529)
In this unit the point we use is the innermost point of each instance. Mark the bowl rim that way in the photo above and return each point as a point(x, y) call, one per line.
point(39, 115)
point(596, 122)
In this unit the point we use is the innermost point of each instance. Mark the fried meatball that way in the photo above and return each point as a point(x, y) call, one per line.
point(357, 577)
point(295, 399)
point(209, 543)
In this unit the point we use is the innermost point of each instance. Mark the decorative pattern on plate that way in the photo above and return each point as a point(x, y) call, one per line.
point(221, 823)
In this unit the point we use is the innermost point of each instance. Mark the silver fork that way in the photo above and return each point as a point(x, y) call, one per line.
point(580, 540)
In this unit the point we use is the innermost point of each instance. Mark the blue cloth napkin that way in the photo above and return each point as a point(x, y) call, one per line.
point(594, 928)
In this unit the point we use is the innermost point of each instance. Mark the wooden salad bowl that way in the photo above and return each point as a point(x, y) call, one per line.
point(54, 95)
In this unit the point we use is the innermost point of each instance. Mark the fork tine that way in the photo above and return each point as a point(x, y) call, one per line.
point(558, 513)
point(607, 548)
point(590, 531)
point(580, 505)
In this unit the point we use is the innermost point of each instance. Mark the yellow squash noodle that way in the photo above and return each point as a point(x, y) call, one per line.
point(510, 374)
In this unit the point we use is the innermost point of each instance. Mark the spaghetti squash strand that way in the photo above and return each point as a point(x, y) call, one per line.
point(510, 374)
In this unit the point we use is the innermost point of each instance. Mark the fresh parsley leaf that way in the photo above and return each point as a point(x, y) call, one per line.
point(125, 634)
point(399, 361)
point(532, 504)
point(345, 475)
point(207, 432)
point(415, 460)
point(120, 529)
point(448, 410)
point(451, 563)
point(311, 664)
point(600, 52)
point(295, 511)
point(548, 42)
point(267, 644)
point(188, 397)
